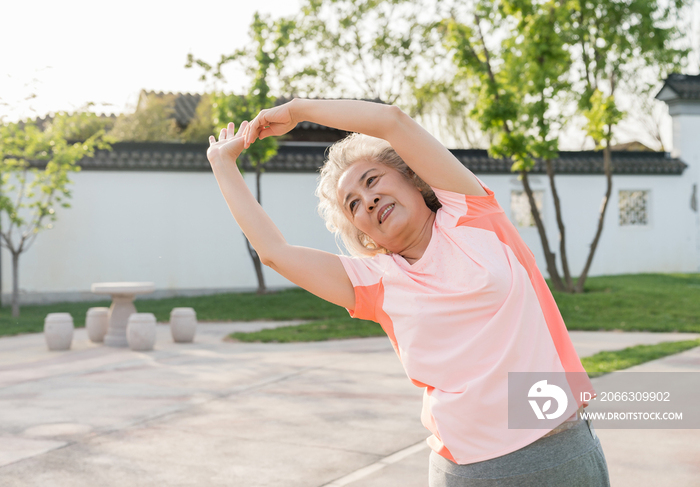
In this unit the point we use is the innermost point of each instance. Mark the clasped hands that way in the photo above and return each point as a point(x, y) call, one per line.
point(272, 121)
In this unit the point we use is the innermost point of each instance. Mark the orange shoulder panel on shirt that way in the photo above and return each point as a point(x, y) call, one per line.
point(485, 218)
point(374, 293)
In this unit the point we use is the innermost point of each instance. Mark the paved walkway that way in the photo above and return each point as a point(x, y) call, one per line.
point(214, 413)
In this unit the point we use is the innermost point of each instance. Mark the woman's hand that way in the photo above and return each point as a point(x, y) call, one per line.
point(229, 146)
point(272, 121)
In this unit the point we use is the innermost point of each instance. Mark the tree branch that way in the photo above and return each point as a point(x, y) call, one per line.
point(548, 255)
point(29, 233)
point(20, 195)
point(486, 52)
point(607, 162)
point(584, 55)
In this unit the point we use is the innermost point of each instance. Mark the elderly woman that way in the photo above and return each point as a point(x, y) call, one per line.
point(438, 265)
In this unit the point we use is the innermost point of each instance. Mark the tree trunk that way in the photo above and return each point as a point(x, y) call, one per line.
point(607, 164)
point(15, 284)
point(253, 254)
point(258, 268)
point(548, 255)
point(562, 232)
point(0, 262)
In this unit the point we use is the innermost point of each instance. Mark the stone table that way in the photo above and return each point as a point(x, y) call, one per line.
point(123, 294)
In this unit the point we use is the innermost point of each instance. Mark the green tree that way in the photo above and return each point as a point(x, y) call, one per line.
point(618, 41)
point(202, 124)
point(530, 58)
point(264, 60)
point(153, 120)
point(371, 49)
point(35, 167)
point(386, 50)
point(518, 79)
point(81, 125)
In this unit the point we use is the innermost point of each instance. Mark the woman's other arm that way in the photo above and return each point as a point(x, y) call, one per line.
point(423, 153)
point(320, 273)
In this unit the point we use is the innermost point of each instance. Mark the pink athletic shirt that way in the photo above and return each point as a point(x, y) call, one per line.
point(472, 309)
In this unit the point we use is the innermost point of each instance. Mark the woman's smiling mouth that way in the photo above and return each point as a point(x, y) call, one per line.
point(384, 212)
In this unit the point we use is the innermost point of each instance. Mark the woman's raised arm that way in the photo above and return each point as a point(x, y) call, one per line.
point(320, 273)
point(424, 154)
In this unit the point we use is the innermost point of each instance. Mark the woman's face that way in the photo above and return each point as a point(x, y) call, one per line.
point(382, 203)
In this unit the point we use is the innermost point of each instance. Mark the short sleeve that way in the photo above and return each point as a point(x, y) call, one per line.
point(456, 206)
point(366, 277)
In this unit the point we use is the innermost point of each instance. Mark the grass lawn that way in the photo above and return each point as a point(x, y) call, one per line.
point(283, 305)
point(640, 302)
point(605, 362)
point(334, 328)
point(644, 302)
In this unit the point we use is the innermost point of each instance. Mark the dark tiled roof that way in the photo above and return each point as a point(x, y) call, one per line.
point(579, 162)
point(163, 156)
point(149, 156)
point(186, 107)
point(185, 104)
point(686, 86)
point(633, 146)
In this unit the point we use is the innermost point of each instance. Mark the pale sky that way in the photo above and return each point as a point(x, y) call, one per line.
point(73, 52)
point(81, 51)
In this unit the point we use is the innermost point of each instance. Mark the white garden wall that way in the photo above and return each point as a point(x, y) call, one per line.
point(174, 228)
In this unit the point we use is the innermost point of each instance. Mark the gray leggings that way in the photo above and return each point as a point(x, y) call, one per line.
point(573, 458)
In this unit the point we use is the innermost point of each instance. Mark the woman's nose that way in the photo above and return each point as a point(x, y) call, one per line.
point(374, 202)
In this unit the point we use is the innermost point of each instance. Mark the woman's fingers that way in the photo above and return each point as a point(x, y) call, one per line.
point(251, 133)
point(255, 127)
point(229, 132)
point(242, 128)
point(259, 127)
point(250, 129)
point(265, 132)
point(244, 135)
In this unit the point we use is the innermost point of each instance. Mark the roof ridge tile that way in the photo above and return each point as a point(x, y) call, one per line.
point(299, 158)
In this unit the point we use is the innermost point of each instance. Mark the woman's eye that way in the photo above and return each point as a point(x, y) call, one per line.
point(370, 179)
point(352, 205)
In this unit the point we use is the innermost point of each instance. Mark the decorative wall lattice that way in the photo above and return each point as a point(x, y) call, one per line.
point(520, 208)
point(634, 207)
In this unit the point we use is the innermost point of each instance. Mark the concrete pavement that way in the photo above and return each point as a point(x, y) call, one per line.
point(219, 413)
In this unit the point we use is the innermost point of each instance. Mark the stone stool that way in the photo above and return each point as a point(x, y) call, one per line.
point(97, 323)
point(183, 324)
point(141, 331)
point(58, 331)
